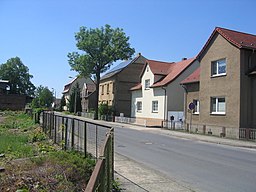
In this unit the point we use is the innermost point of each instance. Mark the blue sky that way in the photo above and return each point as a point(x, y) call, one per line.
point(41, 32)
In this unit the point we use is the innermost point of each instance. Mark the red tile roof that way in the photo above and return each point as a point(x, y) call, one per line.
point(193, 78)
point(169, 71)
point(174, 71)
point(136, 87)
point(238, 39)
point(159, 67)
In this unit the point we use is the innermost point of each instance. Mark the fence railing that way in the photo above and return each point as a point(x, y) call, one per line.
point(88, 137)
point(247, 133)
point(129, 120)
point(173, 125)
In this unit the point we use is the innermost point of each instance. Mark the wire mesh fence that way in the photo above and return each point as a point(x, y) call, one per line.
point(90, 138)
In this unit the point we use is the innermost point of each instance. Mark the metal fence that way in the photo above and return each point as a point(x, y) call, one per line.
point(129, 120)
point(88, 137)
point(248, 134)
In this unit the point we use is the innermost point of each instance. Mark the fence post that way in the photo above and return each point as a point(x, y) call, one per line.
point(62, 131)
point(96, 139)
point(73, 133)
point(55, 128)
point(85, 138)
point(66, 134)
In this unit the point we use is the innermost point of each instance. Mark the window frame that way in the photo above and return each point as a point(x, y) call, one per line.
point(147, 84)
point(217, 63)
point(217, 102)
point(137, 106)
point(196, 111)
point(154, 107)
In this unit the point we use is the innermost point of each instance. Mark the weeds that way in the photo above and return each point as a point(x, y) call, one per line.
point(33, 163)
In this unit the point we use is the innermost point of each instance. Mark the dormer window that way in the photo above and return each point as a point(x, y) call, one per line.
point(218, 68)
point(147, 83)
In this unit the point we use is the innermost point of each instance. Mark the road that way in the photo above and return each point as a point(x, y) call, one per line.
point(201, 166)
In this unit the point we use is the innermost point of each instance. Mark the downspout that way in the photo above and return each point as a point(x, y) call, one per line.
point(185, 102)
point(165, 119)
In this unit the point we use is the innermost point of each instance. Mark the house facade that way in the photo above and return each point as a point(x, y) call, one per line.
point(115, 85)
point(159, 96)
point(224, 88)
point(88, 96)
point(69, 87)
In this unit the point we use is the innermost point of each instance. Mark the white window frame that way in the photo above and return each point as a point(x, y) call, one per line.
point(197, 106)
point(217, 102)
point(147, 83)
point(155, 106)
point(139, 106)
point(215, 65)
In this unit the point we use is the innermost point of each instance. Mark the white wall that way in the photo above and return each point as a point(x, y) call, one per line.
point(147, 96)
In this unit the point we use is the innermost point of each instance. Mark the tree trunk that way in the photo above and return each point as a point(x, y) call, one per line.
point(97, 94)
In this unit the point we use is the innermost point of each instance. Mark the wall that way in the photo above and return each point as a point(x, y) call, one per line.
point(227, 86)
point(13, 102)
point(175, 92)
point(248, 90)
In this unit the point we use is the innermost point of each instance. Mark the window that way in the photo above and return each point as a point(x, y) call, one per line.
point(102, 90)
point(219, 67)
point(218, 105)
point(147, 83)
point(154, 106)
point(139, 106)
point(107, 88)
point(196, 110)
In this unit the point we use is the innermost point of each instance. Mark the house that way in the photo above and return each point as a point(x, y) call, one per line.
point(12, 101)
point(223, 89)
point(159, 95)
point(68, 88)
point(88, 96)
point(115, 85)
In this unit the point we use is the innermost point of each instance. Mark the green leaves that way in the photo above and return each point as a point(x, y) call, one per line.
point(18, 76)
point(101, 46)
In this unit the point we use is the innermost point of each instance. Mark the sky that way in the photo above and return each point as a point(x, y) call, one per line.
point(42, 32)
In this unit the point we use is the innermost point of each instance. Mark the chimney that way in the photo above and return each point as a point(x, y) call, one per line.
point(183, 59)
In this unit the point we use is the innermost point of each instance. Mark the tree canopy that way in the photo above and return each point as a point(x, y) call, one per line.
point(101, 47)
point(18, 76)
point(43, 97)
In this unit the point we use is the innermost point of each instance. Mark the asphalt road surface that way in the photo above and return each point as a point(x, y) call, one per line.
point(204, 167)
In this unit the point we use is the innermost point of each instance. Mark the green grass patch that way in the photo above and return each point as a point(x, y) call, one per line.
point(33, 163)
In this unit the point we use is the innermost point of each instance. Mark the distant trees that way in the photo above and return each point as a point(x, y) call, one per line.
point(75, 100)
point(18, 76)
point(43, 97)
point(101, 46)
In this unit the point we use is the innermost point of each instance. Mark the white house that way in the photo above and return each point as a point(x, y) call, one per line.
point(159, 95)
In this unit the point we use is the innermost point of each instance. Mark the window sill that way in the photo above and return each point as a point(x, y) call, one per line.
point(218, 113)
point(154, 111)
point(219, 75)
point(196, 113)
point(138, 111)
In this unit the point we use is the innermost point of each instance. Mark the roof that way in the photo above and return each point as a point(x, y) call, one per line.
point(68, 85)
point(159, 67)
point(169, 71)
point(119, 67)
point(236, 38)
point(136, 87)
point(174, 71)
point(116, 69)
point(192, 78)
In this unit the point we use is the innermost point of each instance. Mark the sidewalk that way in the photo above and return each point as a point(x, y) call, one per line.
point(192, 136)
point(135, 177)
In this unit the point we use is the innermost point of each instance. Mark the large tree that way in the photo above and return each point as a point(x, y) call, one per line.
point(101, 47)
point(43, 97)
point(18, 76)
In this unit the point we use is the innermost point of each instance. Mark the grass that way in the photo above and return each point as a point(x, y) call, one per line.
point(33, 163)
